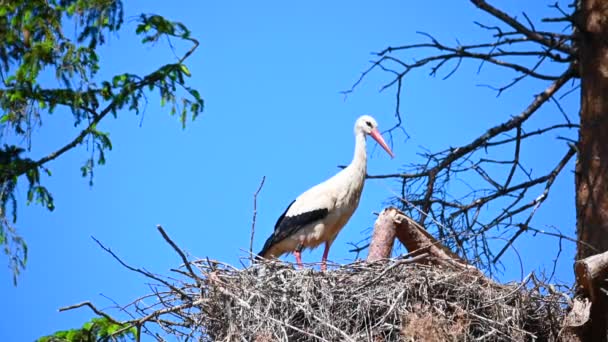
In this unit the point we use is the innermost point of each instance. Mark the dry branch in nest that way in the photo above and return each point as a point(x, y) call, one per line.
point(393, 223)
point(388, 300)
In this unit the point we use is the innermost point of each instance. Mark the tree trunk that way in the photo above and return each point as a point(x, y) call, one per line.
point(592, 163)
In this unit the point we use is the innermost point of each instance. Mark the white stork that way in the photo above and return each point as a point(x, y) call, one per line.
point(319, 214)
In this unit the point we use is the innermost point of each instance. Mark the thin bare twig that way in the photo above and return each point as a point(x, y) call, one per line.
point(92, 307)
point(140, 271)
point(181, 254)
point(255, 213)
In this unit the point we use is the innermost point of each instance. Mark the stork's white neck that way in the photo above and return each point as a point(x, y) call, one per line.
point(359, 163)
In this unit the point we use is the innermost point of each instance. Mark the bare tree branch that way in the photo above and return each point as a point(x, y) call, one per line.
point(539, 200)
point(138, 270)
point(500, 190)
point(180, 253)
point(520, 28)
point(92, 307)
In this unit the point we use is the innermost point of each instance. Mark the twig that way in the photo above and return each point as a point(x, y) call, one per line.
point(539, 200)
point(92, 307)
point(520, 28)
point(399, 262)
point(255, 212)
point(181, 254)
point(140, 271)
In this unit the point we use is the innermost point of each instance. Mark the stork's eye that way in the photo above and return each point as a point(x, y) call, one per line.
point(369, 124)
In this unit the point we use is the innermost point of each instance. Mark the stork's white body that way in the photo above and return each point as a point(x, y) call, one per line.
point(319, 214)
point(340, 195)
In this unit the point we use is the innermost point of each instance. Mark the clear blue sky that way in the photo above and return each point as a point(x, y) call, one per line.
point(270, 73)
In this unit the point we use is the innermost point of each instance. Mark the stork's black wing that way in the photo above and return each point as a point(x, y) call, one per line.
point(288, 225)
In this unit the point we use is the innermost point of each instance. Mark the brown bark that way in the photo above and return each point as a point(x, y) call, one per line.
point(591, 273)
point(383, 237)
point(576, 323)
point(415, 238)
point(592, 162)
point(417, 241)
point(591, 178)
point(585, 322)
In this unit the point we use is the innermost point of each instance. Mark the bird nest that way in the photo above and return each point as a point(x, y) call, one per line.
point(390, 300)
point(387, 300)
point(384, 301)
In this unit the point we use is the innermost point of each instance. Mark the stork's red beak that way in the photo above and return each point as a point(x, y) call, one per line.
point(378, 137)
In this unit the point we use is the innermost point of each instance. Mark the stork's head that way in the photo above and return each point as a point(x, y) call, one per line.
point(368, 125)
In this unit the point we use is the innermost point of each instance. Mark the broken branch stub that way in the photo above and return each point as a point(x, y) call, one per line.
point(591, 273)
point(575, 325)
point(393, 223)
point(383, 236)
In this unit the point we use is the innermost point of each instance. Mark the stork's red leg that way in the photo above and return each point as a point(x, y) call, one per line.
point(298, 255)
point(324, 260)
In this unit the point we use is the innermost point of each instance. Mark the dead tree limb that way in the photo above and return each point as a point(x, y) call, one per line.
point(417, 240)
point(420, 244)
point(383, 236)
point(586, 313)
point(591, 275)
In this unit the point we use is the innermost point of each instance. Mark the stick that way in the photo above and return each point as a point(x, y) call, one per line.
point(181, 254)
point(255, 213)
